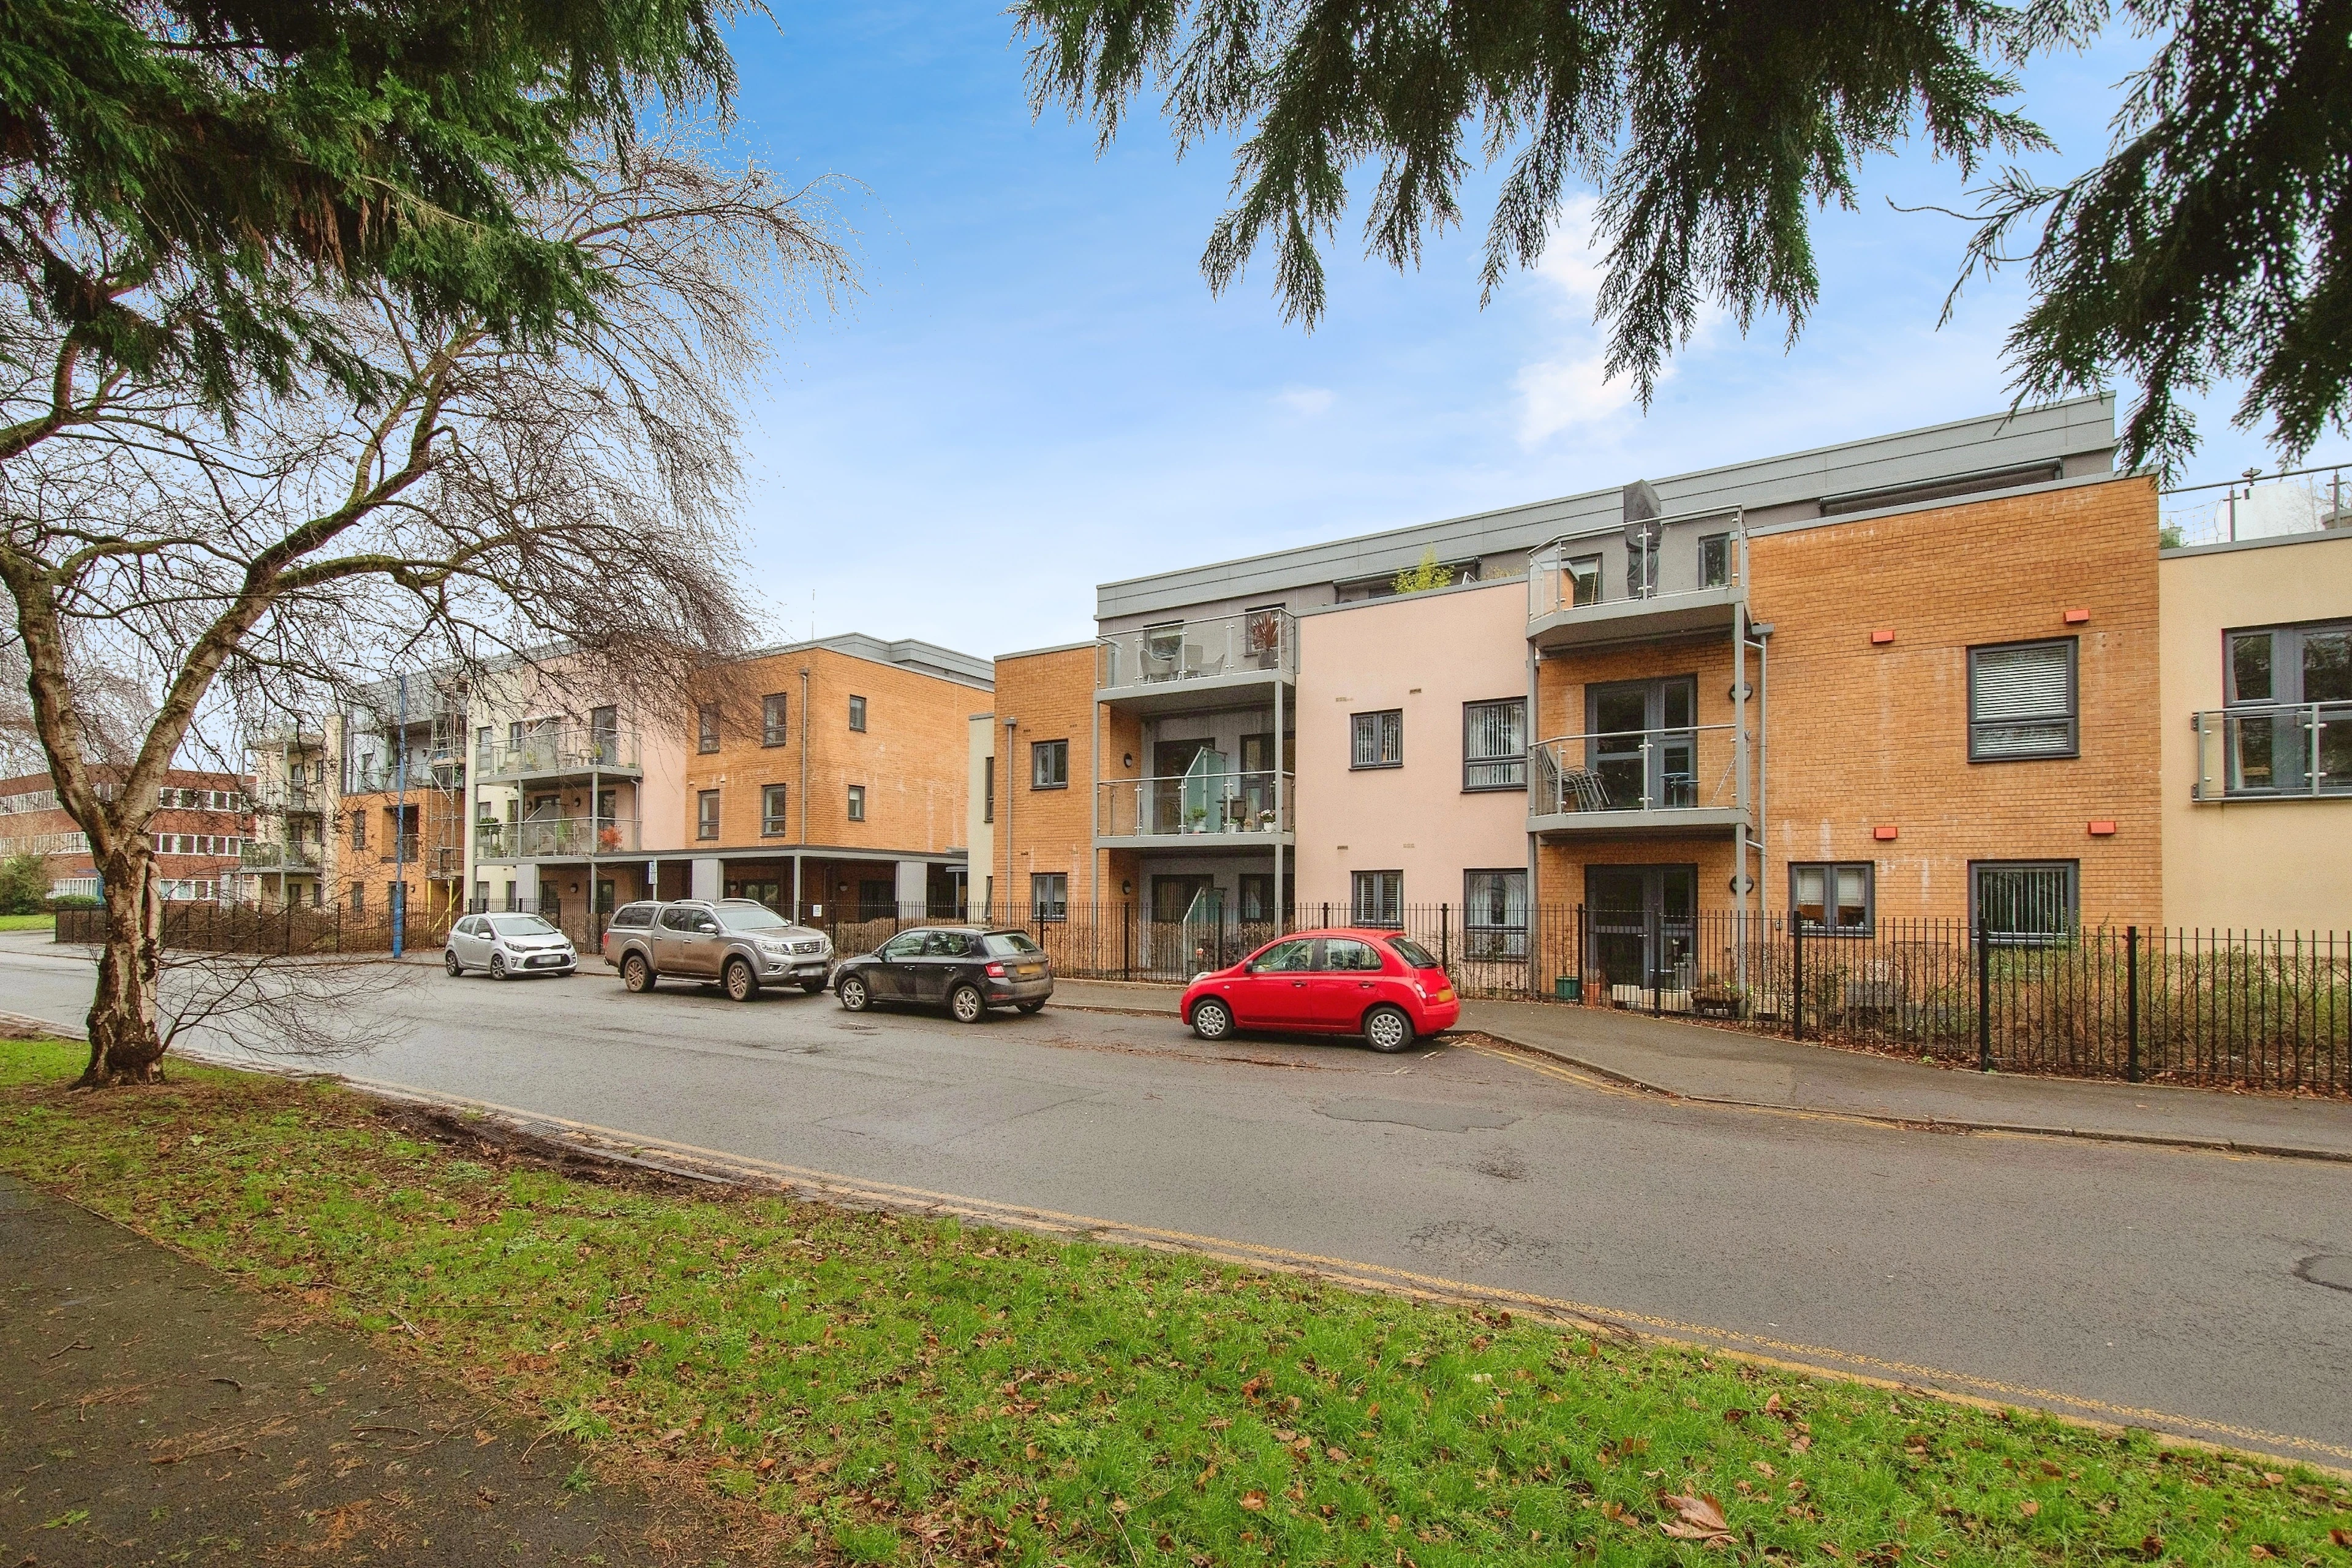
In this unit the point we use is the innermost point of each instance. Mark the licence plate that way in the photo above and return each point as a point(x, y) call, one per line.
point(1447, 995)
point(1027, 970)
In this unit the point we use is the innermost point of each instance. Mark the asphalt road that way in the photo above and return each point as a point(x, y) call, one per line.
point(2203, 1293)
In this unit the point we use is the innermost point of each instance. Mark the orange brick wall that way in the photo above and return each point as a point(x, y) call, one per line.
point(1862, 736)
point(1051, 696)
point(910, 757)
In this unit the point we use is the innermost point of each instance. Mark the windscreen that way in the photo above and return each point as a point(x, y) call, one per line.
point(522, 925)
point(1413, 953)
point(751, 917)
point(1010, 944)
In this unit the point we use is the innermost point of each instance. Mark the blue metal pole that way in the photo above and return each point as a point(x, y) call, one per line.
point(400, 825)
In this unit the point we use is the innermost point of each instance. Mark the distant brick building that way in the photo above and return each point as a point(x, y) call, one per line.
point(201, 831)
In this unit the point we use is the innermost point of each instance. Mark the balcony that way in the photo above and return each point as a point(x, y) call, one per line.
point(1583, 591)
point(557, 752)
point(1233, 811)
point(265, 857)
point(2298, 751)
point(1218, 661)
point(1637, 783)
point(428, 770)
point(555, 838)
point(278, 797)
point(401, 847)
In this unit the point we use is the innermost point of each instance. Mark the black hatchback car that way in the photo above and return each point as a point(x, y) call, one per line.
point(965, 969)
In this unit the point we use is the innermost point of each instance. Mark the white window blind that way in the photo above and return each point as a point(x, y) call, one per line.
point(2021, 701)
point(1495, 744)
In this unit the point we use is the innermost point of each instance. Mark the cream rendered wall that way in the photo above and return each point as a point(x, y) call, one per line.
point(979, 833)
point(2260, 864)
point(1427, 654)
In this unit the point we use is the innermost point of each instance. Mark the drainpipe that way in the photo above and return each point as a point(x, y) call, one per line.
point(1004, 799)
point(804, 735)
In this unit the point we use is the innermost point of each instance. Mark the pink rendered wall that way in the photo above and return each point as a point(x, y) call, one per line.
point(1428, 655)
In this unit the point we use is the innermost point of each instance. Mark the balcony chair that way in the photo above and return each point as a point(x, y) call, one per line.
point(1199, 661)
point(1580, 789)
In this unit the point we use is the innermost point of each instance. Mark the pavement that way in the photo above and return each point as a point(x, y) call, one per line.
point(1730, 1067)
point(158, 1414)
point(2190, 1290)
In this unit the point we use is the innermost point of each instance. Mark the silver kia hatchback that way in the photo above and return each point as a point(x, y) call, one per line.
point(507, 946)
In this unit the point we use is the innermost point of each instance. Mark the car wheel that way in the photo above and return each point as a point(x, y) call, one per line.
point(449, 961)
point(741, 984)
point(637, 975)
point(966, 1005)
point(1029, 1007)
point(812, 986)
point(1388, 1030)
point(852, 992)
point(498, 966)
point(1212, 1019)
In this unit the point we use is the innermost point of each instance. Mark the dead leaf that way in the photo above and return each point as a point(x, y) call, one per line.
point(2028, 1507)
point(2151, 1547)
point(1800, 1442)
point(1336, 1454)
point(1696, 1518)
point(2341, 1537)
point(1761, 1469)
point(1253, 1501)
point(2259, 1550)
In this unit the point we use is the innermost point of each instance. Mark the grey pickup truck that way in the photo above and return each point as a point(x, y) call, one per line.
point(737, 943)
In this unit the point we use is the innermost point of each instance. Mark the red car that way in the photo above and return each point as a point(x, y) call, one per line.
point(1386, 987)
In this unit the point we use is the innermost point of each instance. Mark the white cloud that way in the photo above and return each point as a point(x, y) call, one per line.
point(1308, 400)
point(1570, 264)
point(1567, 388)
point(1558, 395)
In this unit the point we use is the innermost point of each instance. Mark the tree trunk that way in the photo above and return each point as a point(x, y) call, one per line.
point(124, 1046)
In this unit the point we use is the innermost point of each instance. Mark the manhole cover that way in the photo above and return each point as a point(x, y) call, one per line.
point(2331, 1270)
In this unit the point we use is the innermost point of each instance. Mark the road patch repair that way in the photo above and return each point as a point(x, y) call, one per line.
point(886, 1384)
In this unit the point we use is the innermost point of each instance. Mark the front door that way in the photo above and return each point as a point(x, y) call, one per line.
point(1642, 924)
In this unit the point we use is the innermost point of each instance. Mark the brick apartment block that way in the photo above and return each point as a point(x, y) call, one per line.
point(200, 832)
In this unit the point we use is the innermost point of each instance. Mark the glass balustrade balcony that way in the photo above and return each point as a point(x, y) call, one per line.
point(559, 752)
point(266, 857)
point(1689, 577)
point(555, 838)
point(1197, 810)
point(1216, 661)
point(2298, 751)
point(1636, 781)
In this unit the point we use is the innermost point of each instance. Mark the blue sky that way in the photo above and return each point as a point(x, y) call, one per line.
point(1034, 391)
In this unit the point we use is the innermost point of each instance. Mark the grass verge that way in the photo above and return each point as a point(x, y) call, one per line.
point(905, 1389)
point(29, 922)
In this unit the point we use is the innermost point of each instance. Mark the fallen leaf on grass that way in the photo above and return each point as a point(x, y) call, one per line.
point(1253, 1501)
point(1801, 1443)
point(2028, 1507)
point(2341, 1537)
point(1696, 1518)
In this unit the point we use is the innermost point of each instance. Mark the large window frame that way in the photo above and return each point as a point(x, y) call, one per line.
point(987, 789)
point(775, 811)
point(857, 714)
point(706, 816)
point(775, 719)
point(2276, 739)
point(1495, 914)
point(1376, 899)
point(2062, 877)
point(1494, 749)
point(705, 729)
point(856, 803)
point(1049, 895)
point(1049, 765)
point(1983, 727)
point(1829, 891)
point(1376, 739)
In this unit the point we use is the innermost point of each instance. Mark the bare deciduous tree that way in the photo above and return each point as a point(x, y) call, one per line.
point(502, 495)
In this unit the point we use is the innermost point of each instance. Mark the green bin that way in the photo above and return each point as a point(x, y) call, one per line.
point(1568, 987)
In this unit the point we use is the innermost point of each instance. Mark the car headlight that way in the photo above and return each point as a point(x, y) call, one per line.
point(1202, 975)
point(773, 949)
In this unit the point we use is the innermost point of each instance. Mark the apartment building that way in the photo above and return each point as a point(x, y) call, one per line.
point(290, 861)
point(200, 830)
point(1904, 676)
point(2255, 603)
point(397, 833)
point(830, 777)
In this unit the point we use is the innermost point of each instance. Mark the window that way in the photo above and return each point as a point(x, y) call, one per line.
point(1378, 898)
point(2023, 902)
point(1376, 740)
point(1495, 913)
point(706, 813)
point(679, 917)
point(2289, 726)
point(987, 789)
point(1286, 957)
point(1350, 956)
point(1049, 765)
point(1495, 744)
point(856, 803)
point(1715, 561)
point(1049, 895)
point(2022, 701)
point(706, 726)
point(773, 818)
point(1256, 896)
point(857, 713)
point(358, 898)
point(359, 830)
point(775, 727)
point(1829, 900)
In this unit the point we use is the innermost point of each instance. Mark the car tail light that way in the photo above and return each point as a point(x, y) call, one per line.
point(996, 972)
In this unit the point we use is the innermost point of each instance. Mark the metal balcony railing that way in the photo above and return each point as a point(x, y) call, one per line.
point(560, 838)
point(1251, 642)
point(401, 847)
point(266, 857)
point(1573, 574)
point(1234, 803)
point(2298, 501)
point(567, 750)
point(1695, 768)
point(277, 795)
point(371, 774)
point(2274, 750)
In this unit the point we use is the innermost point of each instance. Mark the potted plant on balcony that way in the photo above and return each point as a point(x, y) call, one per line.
point(1196, 820)
point(1265, 820)
point(608, 840)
